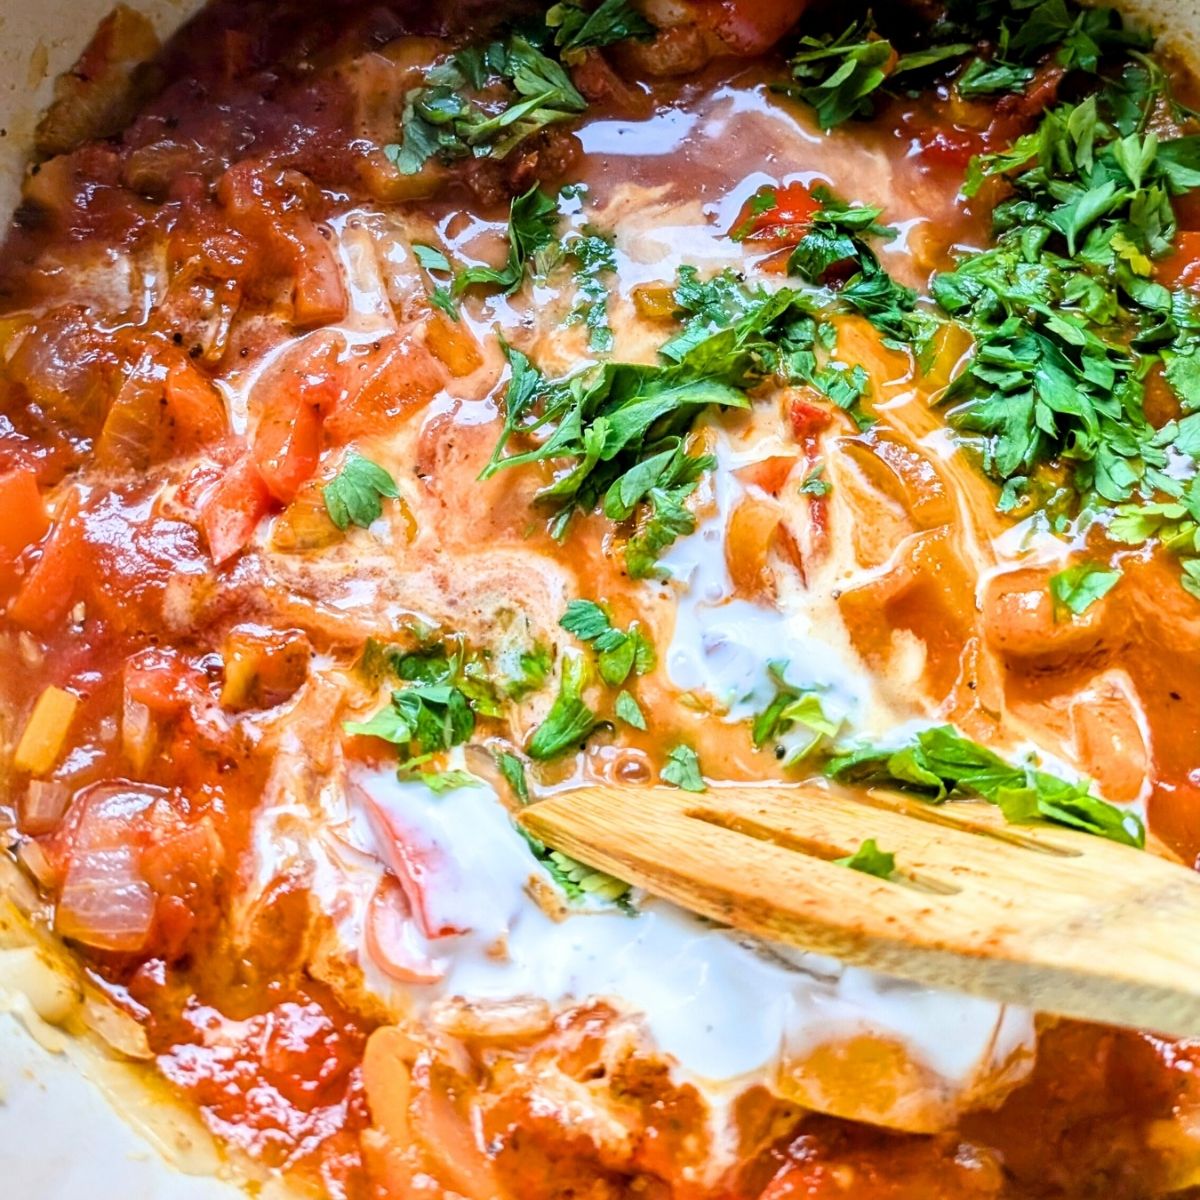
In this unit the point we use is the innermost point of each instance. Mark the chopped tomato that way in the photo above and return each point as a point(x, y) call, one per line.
point(232, 510)
point(48, 589)
point(752, 26)
point(163, 682)
point(770, 474)
point(1181, 268)
point(414, 860)
point(391, 937)
point(396, 377)
point(23, 519)
point(751, 535)
point(195, 407)
point(807, 418)
point(287, 446)
point(777, 217)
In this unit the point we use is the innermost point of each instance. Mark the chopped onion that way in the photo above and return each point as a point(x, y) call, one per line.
point(45, 802)
point(392, 939)
point(105, 903)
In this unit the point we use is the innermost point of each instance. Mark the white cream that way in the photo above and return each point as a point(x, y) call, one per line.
point(722, 1006)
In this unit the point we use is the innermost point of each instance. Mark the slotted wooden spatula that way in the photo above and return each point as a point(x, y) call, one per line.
point(1061, 922)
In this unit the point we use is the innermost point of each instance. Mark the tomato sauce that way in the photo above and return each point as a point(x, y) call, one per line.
point(135, 476)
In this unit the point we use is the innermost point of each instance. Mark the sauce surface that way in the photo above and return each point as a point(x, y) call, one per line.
point(367, 980)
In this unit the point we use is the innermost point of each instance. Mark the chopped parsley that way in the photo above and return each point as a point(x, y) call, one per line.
point(578, 29)
point(594, 259)
point(682, 770)
point(532, 226)
point(617, 653)
point(440, 781)
point(355, 495)
point(436, 263)
point(1077, 588)
point(629, 711)
point(513, 771)
point(483, 101)
point(815, 484)
point(940, 761)
point(569, 722)
point(870, 860)
point(1067, 318)
point(795, 721)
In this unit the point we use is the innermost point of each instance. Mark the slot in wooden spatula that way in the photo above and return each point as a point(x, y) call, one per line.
point(1061, 922)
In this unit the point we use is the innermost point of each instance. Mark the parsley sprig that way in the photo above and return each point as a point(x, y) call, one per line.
point(939, 762)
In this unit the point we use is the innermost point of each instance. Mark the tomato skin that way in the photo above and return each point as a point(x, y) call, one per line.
point(164, 683)
point(807, 419)
point(195, 405)
point(23, 519)
point(232, 510)
point(1181, 268)
point(287, 446)
point(48, 589)
point(784, 224)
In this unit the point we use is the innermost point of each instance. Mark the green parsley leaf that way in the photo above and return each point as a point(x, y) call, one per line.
point(532, 226)
point(569, 721)
point(442, 781)
point(815, 483)
point(1080, 586)
point(618, 653)
point(432, 259)
point(454, 115)
point(795, 720)
point(870, 860)
point(513, 771)
point(682, 769)
point(940, 761)
point(577, 29)
point(629, 711)
point(354, 495)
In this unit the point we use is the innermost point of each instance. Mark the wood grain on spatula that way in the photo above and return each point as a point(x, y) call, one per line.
point(1059, 921)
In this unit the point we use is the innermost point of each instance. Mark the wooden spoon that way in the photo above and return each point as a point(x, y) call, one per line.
point(1058, 921)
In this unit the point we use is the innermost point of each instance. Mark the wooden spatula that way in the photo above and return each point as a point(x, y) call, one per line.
point(1061, 922)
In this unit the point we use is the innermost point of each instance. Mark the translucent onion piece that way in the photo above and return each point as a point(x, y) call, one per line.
point(105, 903)
point(45, 802)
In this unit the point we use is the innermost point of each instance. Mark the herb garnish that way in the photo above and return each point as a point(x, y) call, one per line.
point(939, 761)
point(532, 226)
point(795, 720)
point(682, 769)
point(569, 721)
point(454, 115)
point(618, 654)
point(576, 29)
point(1077, 588)
point(355, 494)
point(870, 860)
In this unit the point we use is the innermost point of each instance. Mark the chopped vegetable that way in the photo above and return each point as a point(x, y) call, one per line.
point(618, 653)
point(870, 860)
point(795, 719)
point(576, 29)
point(444, 120)
point(682, 769)
point(569, 721)
point(354, 496)
point(629, 711)
point(45, 732)
point(1079, 587)
point(532, 226)
point(937, 762)
point(513, 770)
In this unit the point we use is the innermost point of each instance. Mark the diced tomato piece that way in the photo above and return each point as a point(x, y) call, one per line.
point(391, 940)
point(48, 589)
point(319, 297)
point(195, 406)
point(950, 147)
point(1181, 268)
point(162, 681)
point(807, 418)
point(751, 26)
point(232, 510)
point(392, 380)
point(781, 223)
point(287, 446)
point(770, 474)
point(23, 519)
